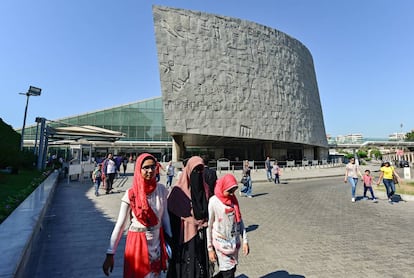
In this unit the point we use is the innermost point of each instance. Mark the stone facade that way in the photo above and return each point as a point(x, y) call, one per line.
point(222, 76)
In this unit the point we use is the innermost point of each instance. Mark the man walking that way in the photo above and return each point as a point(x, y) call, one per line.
point(170, 174)
point(110, 172)
point(268, 168)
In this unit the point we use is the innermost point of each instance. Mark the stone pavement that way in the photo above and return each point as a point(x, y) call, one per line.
point(304, 227)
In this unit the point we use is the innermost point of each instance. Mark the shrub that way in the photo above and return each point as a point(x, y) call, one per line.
point(10, 154)
point(17, 188)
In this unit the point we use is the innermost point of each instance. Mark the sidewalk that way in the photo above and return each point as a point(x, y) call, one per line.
point(294, 173)
point(317, 172)
point(300, 173)
point(69, 227)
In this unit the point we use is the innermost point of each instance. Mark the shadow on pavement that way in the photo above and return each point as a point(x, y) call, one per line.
point(276, 274)
point(74, 237)
point(251, 228)
point(120, 182)
point(260, 194)
point(282, 274)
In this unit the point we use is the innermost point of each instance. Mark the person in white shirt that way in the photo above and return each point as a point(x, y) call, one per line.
point(110, 170)
point(170, 169)
point(351, 176)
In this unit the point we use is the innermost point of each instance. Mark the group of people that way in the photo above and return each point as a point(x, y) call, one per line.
point(182, 231)
point(106, 171)
point(388, 176)
point(185, 229)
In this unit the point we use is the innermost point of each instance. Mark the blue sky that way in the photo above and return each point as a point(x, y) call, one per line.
point(89, 55)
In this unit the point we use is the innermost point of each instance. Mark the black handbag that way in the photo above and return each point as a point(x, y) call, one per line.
point(395, 179)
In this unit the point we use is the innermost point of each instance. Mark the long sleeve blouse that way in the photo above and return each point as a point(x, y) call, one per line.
point(224, 234)
point(158, 202)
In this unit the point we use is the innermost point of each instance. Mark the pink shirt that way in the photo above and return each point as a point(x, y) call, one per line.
point(367, 180)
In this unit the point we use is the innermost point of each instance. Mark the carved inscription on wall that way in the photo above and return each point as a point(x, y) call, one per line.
point(236, 78)
point(245, 131)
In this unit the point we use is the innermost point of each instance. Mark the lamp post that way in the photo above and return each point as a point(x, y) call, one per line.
point(33, 91)
point(38, 120)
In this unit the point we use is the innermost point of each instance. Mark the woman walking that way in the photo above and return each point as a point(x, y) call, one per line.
point(248, 180)
point(225, 226)
point(387, 173)
point(145, 205)
point(351, 175)
point(188, 210)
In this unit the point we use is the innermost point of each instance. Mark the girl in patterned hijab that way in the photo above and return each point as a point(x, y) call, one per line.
point(225, 226)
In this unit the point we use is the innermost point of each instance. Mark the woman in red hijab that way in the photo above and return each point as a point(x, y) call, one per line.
point(225, 225)
point(144, 209)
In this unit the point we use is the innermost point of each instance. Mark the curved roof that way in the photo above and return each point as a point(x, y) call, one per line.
point(91, 133)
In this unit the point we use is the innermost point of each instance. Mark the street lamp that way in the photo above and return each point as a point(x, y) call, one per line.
point(33, 91)
point(38, 120)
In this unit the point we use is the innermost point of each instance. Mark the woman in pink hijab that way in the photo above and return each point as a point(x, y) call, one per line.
point(225, 225)
point(188, 211)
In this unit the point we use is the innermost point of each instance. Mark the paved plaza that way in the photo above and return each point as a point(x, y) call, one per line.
point(299, 228)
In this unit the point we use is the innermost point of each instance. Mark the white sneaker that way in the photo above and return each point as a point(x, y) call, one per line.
point(353, 200)
point(250, 196)
point(374, 200)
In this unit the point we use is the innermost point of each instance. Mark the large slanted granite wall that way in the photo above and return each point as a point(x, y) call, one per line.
point(224, 76)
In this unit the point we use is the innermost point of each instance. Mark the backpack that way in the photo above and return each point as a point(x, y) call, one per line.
point(97, 173)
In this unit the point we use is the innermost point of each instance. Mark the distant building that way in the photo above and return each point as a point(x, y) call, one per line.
point(356, 138)
point(230, 89)
point(246, 89)
point(397, 136)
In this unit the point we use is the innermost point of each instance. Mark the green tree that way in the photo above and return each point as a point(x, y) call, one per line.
point(376, 153)
point(10, 154)
point(349, 155)
point(9, 146)
point(409, 136)
point(362, 154)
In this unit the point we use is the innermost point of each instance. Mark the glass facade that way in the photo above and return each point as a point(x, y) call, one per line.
point(140, 121)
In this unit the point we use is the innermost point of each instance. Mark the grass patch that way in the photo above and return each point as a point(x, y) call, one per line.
point(404, 188)
point(16, 188)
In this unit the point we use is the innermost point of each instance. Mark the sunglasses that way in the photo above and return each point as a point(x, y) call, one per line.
point(147, 167)
point(232, 190)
